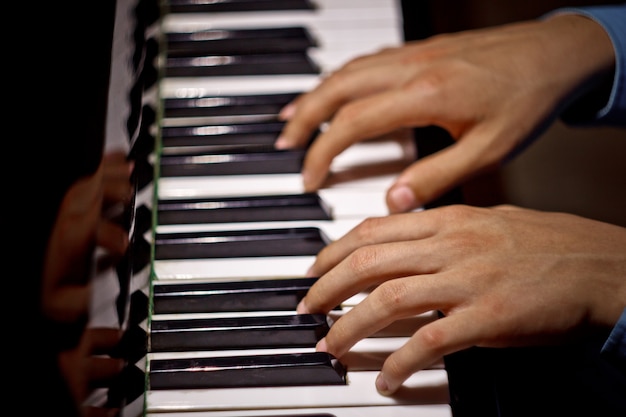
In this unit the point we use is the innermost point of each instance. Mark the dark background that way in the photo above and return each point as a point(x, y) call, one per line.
point(576, 170)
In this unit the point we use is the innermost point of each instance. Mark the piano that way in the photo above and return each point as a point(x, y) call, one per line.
point(219, 214)
point(221, 234)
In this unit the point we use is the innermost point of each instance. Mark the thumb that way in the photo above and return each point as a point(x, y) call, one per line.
point(432, 176)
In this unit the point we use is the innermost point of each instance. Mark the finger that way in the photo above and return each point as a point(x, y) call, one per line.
point(102, 370)
point(427, 346)
point(310, 110)
point(366, 267)
point(113, 158)
point(101, 340)
point(376, 230)
point(116, 177)
point(434, 175)
point(384, 57)
point(361, 119)
point(112, 237)
point(390, 301)
point(66, 303)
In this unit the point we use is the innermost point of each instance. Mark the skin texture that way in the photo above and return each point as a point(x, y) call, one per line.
point(491, 89)
point(502, 276)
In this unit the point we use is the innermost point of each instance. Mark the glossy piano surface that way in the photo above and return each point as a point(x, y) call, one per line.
point(186, 319)
point(239, 229)
point(206, 115)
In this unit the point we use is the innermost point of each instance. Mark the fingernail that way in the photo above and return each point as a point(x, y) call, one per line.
point(381, 384)
point(287, 112)
point(301, 308)
point(306, 180)
point(281, 143)
point(321, 345)
point(402, 197)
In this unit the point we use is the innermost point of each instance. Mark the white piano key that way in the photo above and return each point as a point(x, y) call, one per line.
point(437, 410)
point(368, 165)
point(343, 30)
point(221, 269)
point(344, 203)
point(187, 87)
point(332, 228)
point(424, 388)
point(331, 15)
point(229, 185)
point(367, 355)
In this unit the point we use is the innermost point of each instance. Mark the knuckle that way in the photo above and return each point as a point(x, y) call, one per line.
point(394, 368)
point(432, 338)
point(453, 214)
point(430, 82)
point(368, 229)
point(336, 81)
point(348, 113)
point(363, 259)
point(391, 297)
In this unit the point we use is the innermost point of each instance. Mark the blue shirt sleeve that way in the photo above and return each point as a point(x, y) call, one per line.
point(613, 19)
point(614, 348)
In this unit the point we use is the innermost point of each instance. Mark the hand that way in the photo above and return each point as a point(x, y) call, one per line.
point(81, 226)
point(501, 276)
point(87, 366)
point(492, 89)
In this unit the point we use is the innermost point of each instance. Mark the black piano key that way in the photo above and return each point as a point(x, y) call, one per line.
point(297, 369)
point(133, 345)
point(240, 65)
point(219, 6)
point(238, 296)
point(254, 134)
point(227, 105)
point(245, 160)
point(127, 386)
point(303, 241)
point(259, 332)
point(239, 41)
point(307, 206)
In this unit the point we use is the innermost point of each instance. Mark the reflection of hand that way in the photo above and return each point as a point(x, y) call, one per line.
point(491, 89)
point(117, 191)
point(80, 226)
point(65, 293)
point(83, 371)
point(501, 276)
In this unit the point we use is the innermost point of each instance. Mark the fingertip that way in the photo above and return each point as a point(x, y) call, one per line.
point(311, 272)
point(401, 198)
point(302, 308)
point(282, 142)
point(321, 345)
point(308, 181)
point(382, 386)
point(287, 112)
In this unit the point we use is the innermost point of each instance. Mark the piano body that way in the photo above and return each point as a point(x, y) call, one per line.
point(206, 82)
point(222, 233)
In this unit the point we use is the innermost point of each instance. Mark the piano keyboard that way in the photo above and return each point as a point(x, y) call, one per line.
point(217, 216)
